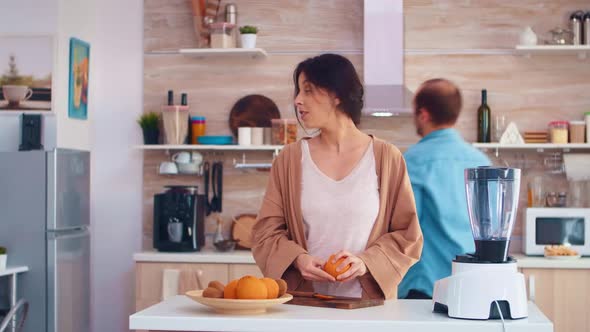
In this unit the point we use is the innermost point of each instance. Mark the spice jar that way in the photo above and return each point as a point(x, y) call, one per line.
point(558, 132)
point(284, 131)
point(221, 35)
point(577, 131)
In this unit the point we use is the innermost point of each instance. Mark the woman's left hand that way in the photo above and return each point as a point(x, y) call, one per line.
point(357, 268)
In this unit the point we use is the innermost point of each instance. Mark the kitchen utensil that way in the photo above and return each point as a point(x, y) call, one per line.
point(190, 168)
point(225, 245)
point(217, 184)
point(576, 19)
point(168, 167)
point(528, 37)
point(321, 296)
point(559, 36)
point(587, 28)
point(219, 230)
point(231, 306)
point(492, 195)
point(182, 157)
point(215, 140)
point(206, 174)
point(343, 303)
point(242, 230)
point(252, 111)
point(244, 136)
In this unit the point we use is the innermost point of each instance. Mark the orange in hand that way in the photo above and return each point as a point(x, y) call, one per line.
point(330, 267)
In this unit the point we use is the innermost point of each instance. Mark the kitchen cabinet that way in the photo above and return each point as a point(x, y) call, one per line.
point(562, 295)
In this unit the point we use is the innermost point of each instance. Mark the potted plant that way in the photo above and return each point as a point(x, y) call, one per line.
point(2, 258)
point(248, 36)
point(149, 123)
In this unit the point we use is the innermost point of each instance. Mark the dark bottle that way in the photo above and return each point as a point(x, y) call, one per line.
point(484, 117)
point(170, 97)
point(183, 99)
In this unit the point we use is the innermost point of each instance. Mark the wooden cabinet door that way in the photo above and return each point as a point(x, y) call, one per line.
point(239, 270)
point(563, 295)
point(148, 285)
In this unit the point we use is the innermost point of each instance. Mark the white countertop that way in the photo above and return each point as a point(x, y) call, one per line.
point(207, 256)
point(245, 257)
point(540, 262)
point(180, 313)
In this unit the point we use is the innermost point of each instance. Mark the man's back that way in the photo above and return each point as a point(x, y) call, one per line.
point(436, 165)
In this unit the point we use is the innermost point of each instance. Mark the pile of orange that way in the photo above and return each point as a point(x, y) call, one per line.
point(247, 287)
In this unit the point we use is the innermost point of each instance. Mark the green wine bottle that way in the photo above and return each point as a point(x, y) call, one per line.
point(484, 119)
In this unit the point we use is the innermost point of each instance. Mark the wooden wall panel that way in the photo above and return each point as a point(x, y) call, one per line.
point(530, 91)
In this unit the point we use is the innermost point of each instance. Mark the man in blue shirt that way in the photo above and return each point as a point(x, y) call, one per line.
point(435, 165)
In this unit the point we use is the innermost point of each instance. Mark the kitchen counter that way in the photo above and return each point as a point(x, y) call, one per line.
point(180, 313)
point(206, 256)
point(245, 257)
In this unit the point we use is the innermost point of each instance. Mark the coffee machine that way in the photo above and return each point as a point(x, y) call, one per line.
point(486, 284)
point(179, 219)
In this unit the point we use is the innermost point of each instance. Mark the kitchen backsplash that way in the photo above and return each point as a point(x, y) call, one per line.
point(529, 91)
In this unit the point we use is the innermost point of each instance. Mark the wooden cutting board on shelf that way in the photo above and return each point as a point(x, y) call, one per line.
point(336, 302)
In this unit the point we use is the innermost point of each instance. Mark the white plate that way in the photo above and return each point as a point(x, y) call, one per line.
point(243, 307)
point(565, 258)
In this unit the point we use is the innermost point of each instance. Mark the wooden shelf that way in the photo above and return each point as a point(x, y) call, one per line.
point(581, 50)
point(214, 52)
point(230, 147)
point(534, 146)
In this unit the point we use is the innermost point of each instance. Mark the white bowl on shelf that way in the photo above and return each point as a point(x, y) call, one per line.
point(189, 168)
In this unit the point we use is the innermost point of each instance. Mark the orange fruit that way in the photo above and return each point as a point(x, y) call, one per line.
point(229, 292)
point(272, 288)
point(330, 267)
point(250, 287)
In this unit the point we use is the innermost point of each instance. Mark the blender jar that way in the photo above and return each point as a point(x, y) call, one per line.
point(492, 201)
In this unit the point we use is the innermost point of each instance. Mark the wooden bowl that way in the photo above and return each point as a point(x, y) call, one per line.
point(237, 307)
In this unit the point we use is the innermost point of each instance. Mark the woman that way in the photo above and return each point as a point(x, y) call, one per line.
point(341, 192)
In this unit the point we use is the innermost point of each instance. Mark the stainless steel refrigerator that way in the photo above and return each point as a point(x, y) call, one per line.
point(44, 224)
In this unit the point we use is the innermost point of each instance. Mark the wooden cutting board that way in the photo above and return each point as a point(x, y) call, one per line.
point(337, 304)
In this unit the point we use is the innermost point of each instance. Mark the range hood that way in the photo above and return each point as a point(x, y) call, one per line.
point(385, 93)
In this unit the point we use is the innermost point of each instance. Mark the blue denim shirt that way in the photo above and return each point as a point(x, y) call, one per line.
point(436, 166)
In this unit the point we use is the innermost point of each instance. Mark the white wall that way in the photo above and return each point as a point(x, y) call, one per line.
point(117, 168)
point(76, 18)
point(28, 17)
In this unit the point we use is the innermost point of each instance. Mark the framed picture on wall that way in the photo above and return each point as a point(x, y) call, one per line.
point(26, 66)
point(79, 70)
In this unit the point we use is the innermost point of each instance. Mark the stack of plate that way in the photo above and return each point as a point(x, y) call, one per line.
point(535, 137)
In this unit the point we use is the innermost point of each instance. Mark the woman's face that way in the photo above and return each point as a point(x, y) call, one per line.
point(315, 106)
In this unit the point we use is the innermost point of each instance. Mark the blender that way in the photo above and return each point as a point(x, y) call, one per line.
point(486, 284)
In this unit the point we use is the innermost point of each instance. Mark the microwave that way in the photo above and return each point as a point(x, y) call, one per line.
point(562, 226)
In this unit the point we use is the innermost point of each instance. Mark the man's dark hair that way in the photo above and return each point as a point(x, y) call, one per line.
point(441, 99)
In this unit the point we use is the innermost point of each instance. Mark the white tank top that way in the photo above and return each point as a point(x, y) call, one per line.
point(338, 215)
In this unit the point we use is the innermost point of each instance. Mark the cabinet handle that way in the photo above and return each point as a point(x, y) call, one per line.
point(532, 287)
point(198, 276)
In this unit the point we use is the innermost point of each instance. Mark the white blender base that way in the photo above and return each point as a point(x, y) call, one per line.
point(472, 289)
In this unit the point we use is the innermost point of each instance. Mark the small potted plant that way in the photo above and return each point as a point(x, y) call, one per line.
point(149, 123)
point(248, 36)
point(2, 258)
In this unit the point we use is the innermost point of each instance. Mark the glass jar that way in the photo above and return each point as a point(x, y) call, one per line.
point(577, 131)
point(221, 35)
point(558, 132)
point(284, 131)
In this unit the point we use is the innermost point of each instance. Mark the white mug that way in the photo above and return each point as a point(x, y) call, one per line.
point(244, 136)
point(257, 136)
point(168, 167)
point(182, 157)
point(16, 93)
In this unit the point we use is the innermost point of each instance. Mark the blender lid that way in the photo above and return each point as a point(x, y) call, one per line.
point(492, 173)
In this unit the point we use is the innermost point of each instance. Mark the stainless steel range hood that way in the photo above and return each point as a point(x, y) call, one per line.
point(385, 93)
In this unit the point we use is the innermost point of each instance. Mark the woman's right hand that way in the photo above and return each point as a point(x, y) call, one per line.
point(311, 268)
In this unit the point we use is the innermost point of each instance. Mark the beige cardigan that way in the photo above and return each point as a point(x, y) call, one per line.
point(394, 245)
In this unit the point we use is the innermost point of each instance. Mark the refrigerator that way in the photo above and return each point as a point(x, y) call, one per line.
point(44, 224)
